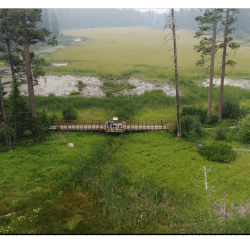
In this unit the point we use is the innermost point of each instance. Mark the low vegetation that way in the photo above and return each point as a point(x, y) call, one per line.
point(117, 86)
point(75, 93)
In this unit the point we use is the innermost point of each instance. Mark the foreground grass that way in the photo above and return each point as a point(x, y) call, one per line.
point(134, 183)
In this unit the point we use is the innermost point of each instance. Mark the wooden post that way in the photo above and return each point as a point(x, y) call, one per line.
point(67, 127)
point(130, 126)
point(161, 125)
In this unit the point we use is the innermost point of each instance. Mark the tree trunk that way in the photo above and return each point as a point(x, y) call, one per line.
point(176, 79)
point(28, 69)
point(223, 67)
point(212, 66)
point(7, 132)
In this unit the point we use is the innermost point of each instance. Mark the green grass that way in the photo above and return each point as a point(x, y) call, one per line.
point(75, 93)
point(117, 86)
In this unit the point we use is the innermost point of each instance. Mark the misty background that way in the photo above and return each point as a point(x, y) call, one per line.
point(58, 20)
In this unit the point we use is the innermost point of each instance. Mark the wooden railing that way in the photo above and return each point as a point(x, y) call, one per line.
point(122, 125)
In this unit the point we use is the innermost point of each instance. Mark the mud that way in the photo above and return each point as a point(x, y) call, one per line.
point(63, 85)
point(242, 83)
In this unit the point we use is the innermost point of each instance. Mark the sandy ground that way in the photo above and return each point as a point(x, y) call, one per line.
point(63, 85)
point(242, 83)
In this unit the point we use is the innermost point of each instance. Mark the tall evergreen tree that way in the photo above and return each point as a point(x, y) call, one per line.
point(208, 45)
point(27, 33)
point(230, 19)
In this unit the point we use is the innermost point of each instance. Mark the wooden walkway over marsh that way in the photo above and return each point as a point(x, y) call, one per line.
point(120, 127)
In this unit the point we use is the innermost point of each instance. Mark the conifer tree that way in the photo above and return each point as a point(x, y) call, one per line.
point(27, 33)
point(208, 45)
point(230, 19)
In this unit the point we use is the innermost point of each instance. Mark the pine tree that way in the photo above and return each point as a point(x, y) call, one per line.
point(20, 117)
point(6, 37)
point(27, 33)
point(208, 45)
point(230, 19)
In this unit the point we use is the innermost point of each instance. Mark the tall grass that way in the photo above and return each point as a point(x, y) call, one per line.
point(117, 86)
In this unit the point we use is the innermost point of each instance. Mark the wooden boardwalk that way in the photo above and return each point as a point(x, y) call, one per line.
point(123, 126)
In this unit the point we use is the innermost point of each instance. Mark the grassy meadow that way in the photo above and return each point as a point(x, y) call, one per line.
point(137, 51)
point(131, 183)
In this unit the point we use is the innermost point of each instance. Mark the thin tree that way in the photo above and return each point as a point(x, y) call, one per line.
point(212, 66)
point(229, 21)
point(208, 45)
point(5, 120)
point(28, 67)
point(172, 24)
point(176, 75)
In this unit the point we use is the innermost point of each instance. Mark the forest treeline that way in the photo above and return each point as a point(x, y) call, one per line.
point(99, 18)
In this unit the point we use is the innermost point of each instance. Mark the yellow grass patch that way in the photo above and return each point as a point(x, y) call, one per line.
point(117, 50)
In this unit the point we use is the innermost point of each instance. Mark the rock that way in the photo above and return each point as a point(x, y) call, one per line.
point(200, 145)
point(71, 145)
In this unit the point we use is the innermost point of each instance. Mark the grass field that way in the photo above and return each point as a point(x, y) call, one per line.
point(140, 51)
point(131, 183)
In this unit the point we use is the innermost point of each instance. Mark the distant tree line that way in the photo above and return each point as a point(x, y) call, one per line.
point(57, 20)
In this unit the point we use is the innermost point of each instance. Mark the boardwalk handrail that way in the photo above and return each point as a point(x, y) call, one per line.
point(104, 122)
point(120, 127)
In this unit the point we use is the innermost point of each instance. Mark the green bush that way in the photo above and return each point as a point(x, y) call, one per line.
point(69, 113)
point(200, 113)
point(52, 118)
point(221, 133)
point(191, 127)
point(231, 110)
point(80, 83)
point(214, 118)
point(218, 152)
point(40, 126)
point(244, 129)
point(75, 93)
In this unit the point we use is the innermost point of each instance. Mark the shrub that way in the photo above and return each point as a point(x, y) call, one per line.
point(190, 127)
point(69, 113)
point(80, 83)
point(221, 133)
point(231, 110)
point(40, 126)
point(52, 118)
point(75, 93)
point(218, 152)
point(244, 129)
point(200, 113)
point(214, 118)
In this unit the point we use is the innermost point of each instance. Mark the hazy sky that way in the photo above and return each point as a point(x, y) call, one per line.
point(156, 10)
